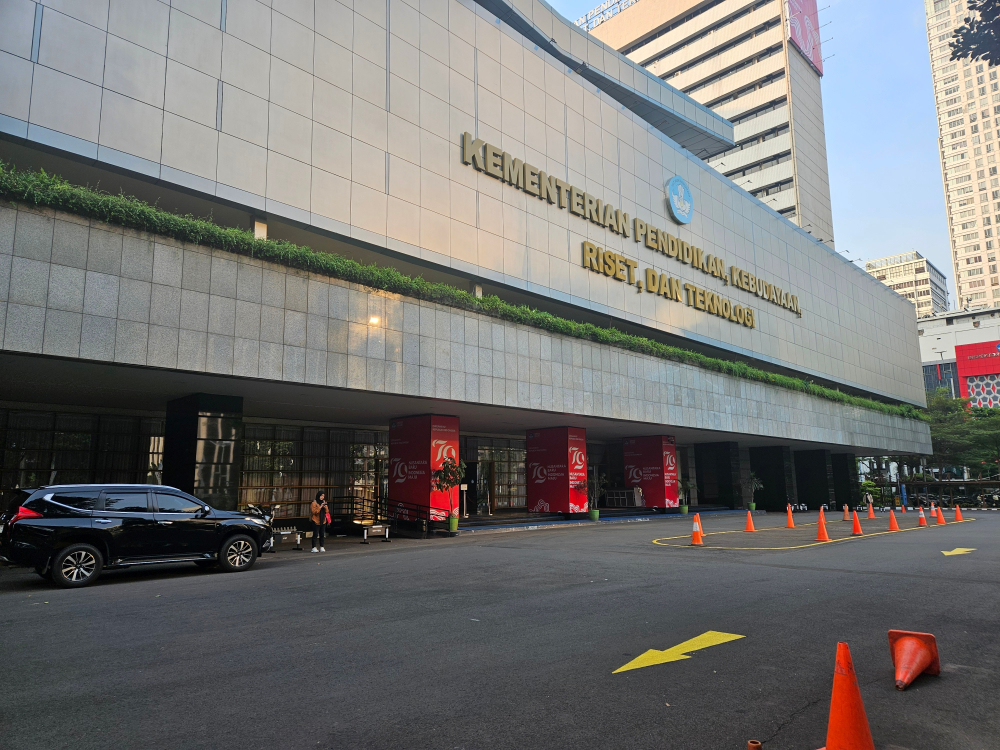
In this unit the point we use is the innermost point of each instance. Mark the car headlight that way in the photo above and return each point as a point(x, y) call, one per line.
point(251, 519)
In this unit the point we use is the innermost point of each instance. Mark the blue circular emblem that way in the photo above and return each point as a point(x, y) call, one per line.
point(680, 202)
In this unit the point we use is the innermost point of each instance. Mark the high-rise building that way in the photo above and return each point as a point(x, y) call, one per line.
point(966, 97)
point(914, 277)
point(758, 64)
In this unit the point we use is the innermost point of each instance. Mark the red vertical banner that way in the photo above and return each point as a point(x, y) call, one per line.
point(418, 447)
point(557, 470)
point(651, 464)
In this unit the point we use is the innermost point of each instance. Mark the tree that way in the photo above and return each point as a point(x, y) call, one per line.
point(979, 37)
point(984, 435)
point(950, 434)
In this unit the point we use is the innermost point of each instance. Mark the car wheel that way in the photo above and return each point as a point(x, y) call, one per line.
point(77, 565)
point(238, 553)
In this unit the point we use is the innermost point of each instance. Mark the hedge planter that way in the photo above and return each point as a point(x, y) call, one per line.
point(684, 509)
point(594, 514)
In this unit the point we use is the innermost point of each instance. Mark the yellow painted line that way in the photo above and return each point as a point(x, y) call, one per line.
point(662, 541)
point(958, 551)
point(680, 651)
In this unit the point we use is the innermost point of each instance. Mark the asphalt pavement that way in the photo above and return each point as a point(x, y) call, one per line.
point(512, 641)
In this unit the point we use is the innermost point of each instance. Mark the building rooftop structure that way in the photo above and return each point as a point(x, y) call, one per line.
point(914, 277)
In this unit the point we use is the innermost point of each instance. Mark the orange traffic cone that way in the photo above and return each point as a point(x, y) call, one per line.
point(904, 508)
point(790, 524)
point(958, 514)
point(856, 531)
point(933, 511)
point(871, 510)
point(848, 728)
point(913, 654)
point(847, 514)
point(749, 526)
point(923, 520)
point(893, 526)
point(821, 535)
point(696, 535)
point(940, 518)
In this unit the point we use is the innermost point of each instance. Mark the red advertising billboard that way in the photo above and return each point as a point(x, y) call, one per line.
point(803, 30)
point(557, 470)
point(651, 465)
point(417, 448)
point(978, 368)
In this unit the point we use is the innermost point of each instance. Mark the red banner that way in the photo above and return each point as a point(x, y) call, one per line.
point(803, 30)
point(651, 465)
point(418, 447)
point(978, 368)
point(557, 470)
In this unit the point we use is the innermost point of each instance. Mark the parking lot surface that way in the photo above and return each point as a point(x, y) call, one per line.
point(517, 640)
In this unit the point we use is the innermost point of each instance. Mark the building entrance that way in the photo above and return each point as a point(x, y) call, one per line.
point(495, 475)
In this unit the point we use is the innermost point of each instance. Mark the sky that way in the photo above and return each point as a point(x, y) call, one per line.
point(881, 130)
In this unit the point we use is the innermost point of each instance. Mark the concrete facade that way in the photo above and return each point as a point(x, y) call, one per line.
point(735, 57)
point(82, 290)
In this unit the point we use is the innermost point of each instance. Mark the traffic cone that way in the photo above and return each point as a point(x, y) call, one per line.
point(923, 520)
point(847, 514)
point(871, 510)
point(904, 508)
point(749, 522)
point(958, 514)
point(821, 535)
point(856, 531)
point(913, 654)
point(790, 524)
point(893, 526)
point(696, 534)
point(933, 512)
point(940, 518)
point(848, 728)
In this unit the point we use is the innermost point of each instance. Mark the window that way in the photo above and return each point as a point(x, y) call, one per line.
point(126, 502)
point(176, 504)
point(79, 500)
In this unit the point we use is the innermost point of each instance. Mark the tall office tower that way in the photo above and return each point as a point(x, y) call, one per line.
point(965, 94)
point(912, 276)
point(758, 64)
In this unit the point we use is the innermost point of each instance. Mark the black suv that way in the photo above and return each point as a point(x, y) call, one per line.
point(70, 533)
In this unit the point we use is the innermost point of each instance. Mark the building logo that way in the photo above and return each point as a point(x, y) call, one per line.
point(444, 449)
point(398, 470)
point(634, 474)
point(577, 458)
point(680, 202)
point(538, 473)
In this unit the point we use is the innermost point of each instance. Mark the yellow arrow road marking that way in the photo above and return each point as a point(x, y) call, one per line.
point(959, 551)
point(680, 651)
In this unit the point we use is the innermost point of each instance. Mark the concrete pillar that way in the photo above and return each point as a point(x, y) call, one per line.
point(774, 467)
point(814, 478)
point(845, 479)
point(201, 448)
point(719, 471)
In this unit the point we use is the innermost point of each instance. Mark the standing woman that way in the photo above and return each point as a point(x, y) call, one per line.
point(320, 513)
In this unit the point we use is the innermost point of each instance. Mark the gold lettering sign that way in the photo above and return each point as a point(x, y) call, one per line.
point(495, 162)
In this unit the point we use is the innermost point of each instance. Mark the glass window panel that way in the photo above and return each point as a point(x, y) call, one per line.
point(126, 502)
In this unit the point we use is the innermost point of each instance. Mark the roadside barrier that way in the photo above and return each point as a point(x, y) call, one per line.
point(913, 654)
point(893, 526)
point(749, 526)
point(856, 531)
point(848, 726)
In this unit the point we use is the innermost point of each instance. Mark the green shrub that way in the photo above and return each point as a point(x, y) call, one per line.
point(52, 191)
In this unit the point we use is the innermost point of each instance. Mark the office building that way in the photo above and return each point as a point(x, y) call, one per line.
point(912, 276)
point(967, 100)
point(757, 63)
point(465, 142)
point(960, 351)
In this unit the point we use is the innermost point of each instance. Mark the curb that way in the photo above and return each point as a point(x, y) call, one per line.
point(552, 525)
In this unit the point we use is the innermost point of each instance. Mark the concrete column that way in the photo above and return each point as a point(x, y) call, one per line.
point(719, 471)
point(845, 479)
point(201, 448)
point(814, 477)
point(774, 467)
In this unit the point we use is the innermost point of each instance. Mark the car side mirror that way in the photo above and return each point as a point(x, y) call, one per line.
point(206, 509)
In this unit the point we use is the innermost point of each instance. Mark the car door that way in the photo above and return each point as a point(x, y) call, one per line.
point(183, 527)
point(126, 518)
